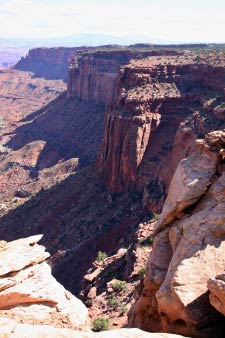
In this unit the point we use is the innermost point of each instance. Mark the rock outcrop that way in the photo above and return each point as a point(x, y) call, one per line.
point(29, 293)
point(188, 249)
point(94, 75)
point(163, 104)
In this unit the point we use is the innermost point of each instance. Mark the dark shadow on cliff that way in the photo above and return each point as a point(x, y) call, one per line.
point(44, 70)
point(77, 218)
point(215, 320)
point(69, 128)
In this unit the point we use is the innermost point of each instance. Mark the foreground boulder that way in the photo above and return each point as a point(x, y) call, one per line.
point(188, 249)
point(30, 294)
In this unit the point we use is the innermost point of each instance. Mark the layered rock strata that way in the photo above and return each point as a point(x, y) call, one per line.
point(163, 104)
point(188, 249)
point(94, 75)
point(51, 63)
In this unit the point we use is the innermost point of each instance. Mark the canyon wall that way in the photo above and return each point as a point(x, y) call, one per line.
point(163, 104)
point(93, 75)
point(188, 258)
point(50, 63)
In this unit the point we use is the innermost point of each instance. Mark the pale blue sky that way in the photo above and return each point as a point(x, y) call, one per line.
point(192, 20)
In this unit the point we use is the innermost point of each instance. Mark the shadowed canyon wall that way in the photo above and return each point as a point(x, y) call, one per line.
point(50, 63)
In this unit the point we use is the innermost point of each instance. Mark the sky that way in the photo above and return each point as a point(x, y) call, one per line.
point(172, 20)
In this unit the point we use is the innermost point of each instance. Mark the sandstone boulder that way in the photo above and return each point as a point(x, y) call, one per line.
point(188, 250)
point(28, 291)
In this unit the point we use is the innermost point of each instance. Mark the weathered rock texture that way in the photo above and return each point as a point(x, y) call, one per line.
point(34, 304)
point(10, 328)
point(163, 104)
point(29, 293)
point(188, 249)
point(94, 75)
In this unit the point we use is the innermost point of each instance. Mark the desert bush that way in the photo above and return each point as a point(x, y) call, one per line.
point(142, 271)
point(119, 286)
point(101, 257)
point(100, 324)
point(155, 216)
point(114, 303)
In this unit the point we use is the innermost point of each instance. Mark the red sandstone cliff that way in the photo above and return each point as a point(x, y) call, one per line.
point(51, 55)
point(93, 75)
point(163, 104)
point(50, 63)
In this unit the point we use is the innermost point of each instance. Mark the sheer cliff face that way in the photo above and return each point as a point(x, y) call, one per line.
point(93, 78)
point(50, 63)
point(188, 258)
point(51, 55)
point(94, 75)
point(163, 104)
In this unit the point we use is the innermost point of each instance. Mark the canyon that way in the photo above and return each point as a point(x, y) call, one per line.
point(90, 141)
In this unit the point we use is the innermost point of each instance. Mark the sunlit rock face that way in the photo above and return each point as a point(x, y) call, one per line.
point(188, 249)
point(163, 104)
point(29, 293)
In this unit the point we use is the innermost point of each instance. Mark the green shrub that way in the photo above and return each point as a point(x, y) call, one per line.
point(141, 272)
point(119, 286)
point(114, 303)
point(100, 324)
point(155, 216)
point(101, 257)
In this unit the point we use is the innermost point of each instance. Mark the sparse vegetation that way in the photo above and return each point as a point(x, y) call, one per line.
point(155, 216)
point(119, 286)
point(114, 303)
point(101, 257)
point(142, 271)
point(100, 324)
